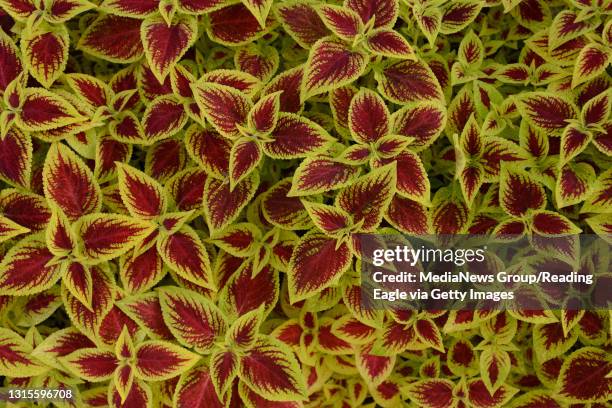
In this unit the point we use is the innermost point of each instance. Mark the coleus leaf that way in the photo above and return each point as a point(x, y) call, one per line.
point(113, 38)
point(16, 153)
point(139, 273)
point(10, 229)
point(341, 21)
point(330, 220)
point(225, 107)
point(480, 397)
point(91, 364)
point(69, 183)
point(139, 395)
point(244, 331)
point(301, 21)
point(550, 340)
point(77, 279)
point(223, 370)
point(263, 117)
point(236, 25)
point(412, 181)
point(519, 193)
point(24, 208)
point(43, 110)
point(368, 117)
point(163, 118)
point(259, 9)
point(373, 368)
point(109, 151)
point(251, 399)
point(368, 197)
point(573, 183)
point(239, 239)
point(281, 208)
point(546, 111)
point(429, 20)
point(145, 310)
point(495, 366)
point(259, 61)
point(383, 13)
point(45, 52)
point(295, 136)
point(26, 268)
point(584, 376)
point(449, 213)
point(195, 388)
point(423, 121)
point(246, 291)
point(389, 43)
point(246, 83)
point(245, 156)
point(458, 14)
point(17, 360)
point(331, 65)
point(339, 102)
point(106, 236)
point(160, 360)
point(270, 369)
point(408, 216)
point(88, 319)
point(596, 110)
point(142, 195)
point(408, 81)
point(130, 8)
point(185, 254)
point(316, 263)
point(10, 58)
point(222, 204)
point(592, 60)
point(193, 320)
point(209, 150)
point(165, 43)
point(599, 197)
point(164, 159)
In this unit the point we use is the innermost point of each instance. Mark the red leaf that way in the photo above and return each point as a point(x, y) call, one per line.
point(272, 371)
point(408, 81)
point(195, 389)
point(408, 216)
point(46, 52)
point(165, 44)
point(331, 65)
point(69, 183)
point(302, 22)
point(295, 136)
point(343, 22)
point(163, 118)
point(24, 268)
point(10, 61)
point(389, 43)
point(193, 319)
point(519, 193)
point(384, 12)
point(316, 263)
point(16, 156)
point(113, 38)
point(368, 117)
point(234, 25)
point(222, 205)
point(225, 107)
point(185, 254)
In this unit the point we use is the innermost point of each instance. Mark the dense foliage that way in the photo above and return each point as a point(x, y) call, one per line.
point(183, 182)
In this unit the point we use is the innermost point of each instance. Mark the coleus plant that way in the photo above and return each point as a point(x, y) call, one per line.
point(183, 185)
